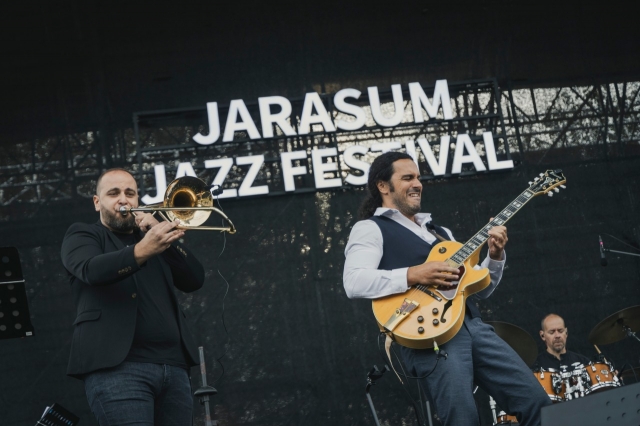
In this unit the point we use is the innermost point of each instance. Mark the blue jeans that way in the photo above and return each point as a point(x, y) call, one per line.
point(477, 355)
point(136, 393)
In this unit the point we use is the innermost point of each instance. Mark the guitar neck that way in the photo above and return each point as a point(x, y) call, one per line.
point(476, 242)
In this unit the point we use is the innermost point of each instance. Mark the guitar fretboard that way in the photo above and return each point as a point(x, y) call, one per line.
point(481, 236)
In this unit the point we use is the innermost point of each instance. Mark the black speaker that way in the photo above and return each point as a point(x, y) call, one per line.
point(15, 320)
point(614, 407)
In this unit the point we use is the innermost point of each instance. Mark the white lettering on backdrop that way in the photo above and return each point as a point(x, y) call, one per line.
point(323, 162)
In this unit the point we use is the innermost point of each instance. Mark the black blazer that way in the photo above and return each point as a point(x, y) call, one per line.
point(102, 273)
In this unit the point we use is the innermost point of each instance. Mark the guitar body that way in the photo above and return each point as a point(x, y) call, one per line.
point(441, 319)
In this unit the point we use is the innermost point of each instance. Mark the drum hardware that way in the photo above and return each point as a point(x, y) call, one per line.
point(629, 373)
point(577, 382)
point(556, 383)
point(567, 377)
point(552, 383)
point(616, 327)
point(500, 417)
point(492, 404)
point(506, 419)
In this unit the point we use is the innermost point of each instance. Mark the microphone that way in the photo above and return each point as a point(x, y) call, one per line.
point(216, 190)
point(603, 259)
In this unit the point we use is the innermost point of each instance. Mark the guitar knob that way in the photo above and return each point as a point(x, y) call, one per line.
point(442, 250)
point(436, 322)
point(420, 330)
point(435, 311)
point(420, 319)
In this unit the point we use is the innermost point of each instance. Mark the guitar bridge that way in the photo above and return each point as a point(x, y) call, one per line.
point(400, 314)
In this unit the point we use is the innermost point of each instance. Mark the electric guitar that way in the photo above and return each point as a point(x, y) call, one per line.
point(426, 316)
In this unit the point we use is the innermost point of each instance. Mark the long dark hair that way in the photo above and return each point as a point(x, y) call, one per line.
point(381, 170)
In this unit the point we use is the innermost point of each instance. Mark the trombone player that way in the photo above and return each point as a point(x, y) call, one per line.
point(131, 345)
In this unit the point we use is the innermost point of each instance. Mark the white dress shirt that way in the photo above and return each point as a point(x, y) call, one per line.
point(363, 279)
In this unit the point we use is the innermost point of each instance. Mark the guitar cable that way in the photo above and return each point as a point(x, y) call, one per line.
point(439, 354)
point(405, 387)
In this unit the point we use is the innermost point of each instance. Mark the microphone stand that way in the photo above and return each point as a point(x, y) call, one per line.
point(204, 392)
point(372, 376)
point(630, 333)
point(606, 250)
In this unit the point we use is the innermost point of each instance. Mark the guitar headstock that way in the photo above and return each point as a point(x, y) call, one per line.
point(547, 182)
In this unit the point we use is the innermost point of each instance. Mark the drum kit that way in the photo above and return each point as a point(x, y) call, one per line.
point(576, 380)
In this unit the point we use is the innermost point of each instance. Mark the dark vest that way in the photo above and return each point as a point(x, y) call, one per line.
point(401, 248)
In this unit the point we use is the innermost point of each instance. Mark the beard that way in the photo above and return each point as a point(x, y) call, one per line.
point(118, 222)
point(402, 203)
point(558, 346)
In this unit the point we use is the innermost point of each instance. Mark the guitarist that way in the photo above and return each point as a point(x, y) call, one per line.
point(385, 255)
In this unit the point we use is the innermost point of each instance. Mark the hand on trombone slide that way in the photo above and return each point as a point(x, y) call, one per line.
point(157, 239)
point(145, 221)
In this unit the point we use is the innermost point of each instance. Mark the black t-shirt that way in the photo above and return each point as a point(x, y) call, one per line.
point(547, 361)
point(157, 334)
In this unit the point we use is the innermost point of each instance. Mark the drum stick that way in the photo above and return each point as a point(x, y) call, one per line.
point(600, 353)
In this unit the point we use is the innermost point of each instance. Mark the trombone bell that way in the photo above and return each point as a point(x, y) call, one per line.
point(188, 191)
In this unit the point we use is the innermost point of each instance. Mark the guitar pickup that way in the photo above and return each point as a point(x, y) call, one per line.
point(432, 294)
point(400, 314)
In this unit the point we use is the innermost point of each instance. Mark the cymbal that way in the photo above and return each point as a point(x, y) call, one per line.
point(519, 340)
point(610, 330)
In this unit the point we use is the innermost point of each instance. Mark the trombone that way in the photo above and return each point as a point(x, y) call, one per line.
point(189, 200)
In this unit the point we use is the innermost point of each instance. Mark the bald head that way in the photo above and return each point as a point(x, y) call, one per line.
point(106, 172)
point(550, 317)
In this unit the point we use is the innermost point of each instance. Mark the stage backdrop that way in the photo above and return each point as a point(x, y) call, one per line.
point(295, 349)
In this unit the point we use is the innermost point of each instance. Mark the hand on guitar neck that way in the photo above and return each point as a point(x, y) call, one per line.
point(497, 240)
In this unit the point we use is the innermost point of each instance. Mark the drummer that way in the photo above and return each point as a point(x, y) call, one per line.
point(554, 334)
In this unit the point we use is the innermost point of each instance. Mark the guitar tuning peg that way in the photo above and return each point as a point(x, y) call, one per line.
point(541, 174)
point(550, 194)
point(536, 179)
point(556, 189)
point(530, 183)
point(563, 187)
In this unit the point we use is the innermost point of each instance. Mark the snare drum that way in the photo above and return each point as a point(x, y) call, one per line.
point(602, 376)
point(552, 383)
